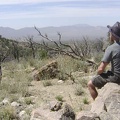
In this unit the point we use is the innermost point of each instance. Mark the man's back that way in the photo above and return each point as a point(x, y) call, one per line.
point(114, 57)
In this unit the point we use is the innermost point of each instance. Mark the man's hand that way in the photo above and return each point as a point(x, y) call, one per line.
point(102, 67)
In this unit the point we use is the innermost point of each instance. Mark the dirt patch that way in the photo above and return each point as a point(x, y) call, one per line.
point(66, 90)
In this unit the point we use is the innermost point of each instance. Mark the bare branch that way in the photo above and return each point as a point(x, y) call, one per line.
point(73, 51)
point(46, 37)
point(31, 44)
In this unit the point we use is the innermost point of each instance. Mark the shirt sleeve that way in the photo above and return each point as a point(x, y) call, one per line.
point(107, 56)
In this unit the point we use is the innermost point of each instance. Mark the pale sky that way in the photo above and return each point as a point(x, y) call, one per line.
point(43, 13)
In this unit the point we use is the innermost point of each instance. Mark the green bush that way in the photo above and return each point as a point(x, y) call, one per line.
point(28, 100)
point(8, 113)
point(85, 100)
point(59, 98)
point(43, 54)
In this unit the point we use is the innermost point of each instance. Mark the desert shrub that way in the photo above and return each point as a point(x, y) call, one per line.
point(83, 82)
point(24, 64)
point(59, 98)
point(13, 88)
point(47, 83)
point(32, 62)
point(83, 66)
point(13, 97)
point(62, 76)
point(10, 88)
point(28, 100)
point(68, 65)
point(98, 57)
point(8, 113)
point(43, 54)
point(16, 80)
point(25, 92)
point(85, 100)
point(79, 90)
point(3, 94)
point(16, 88)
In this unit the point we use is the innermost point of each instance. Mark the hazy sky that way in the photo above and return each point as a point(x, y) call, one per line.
point(43, 13)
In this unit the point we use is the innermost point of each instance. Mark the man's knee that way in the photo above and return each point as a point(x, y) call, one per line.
point(90, 84)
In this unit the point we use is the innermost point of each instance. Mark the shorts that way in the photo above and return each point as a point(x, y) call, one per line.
point(100, 80)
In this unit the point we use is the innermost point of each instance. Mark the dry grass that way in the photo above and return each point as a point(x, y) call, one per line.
point(17, 82)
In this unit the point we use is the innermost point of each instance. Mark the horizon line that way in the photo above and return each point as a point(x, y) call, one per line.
point(54, 26)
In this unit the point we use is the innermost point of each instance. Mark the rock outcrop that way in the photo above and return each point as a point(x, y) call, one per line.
point(44, 113)
point(106, 106)
point(48, 71)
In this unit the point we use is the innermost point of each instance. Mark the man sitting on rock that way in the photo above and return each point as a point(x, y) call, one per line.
point(111, 55)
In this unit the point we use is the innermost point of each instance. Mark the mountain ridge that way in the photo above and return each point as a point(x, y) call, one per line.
point(76, 31)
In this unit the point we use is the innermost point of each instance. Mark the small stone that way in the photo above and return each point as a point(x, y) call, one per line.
point(22, 113)
point(5, 101)
point(60, 81)
point(15, 104)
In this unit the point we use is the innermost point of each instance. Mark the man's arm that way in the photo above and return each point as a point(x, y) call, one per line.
point(102, 67)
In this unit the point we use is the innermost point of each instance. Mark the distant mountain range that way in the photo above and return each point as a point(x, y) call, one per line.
point(74, 32)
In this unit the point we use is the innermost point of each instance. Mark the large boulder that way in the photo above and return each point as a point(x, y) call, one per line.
point(44, 113)
point(87, 115)
point(106, 106)
point(48, 71)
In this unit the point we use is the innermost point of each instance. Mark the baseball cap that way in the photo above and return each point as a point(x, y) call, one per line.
point(115, 29)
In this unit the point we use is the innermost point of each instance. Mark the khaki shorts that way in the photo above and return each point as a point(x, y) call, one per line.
point(100, 80)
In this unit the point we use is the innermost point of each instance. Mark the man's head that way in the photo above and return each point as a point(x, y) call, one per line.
point(114, 31)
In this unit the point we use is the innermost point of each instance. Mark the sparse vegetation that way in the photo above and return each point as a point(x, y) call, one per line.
point(47, 83)
point(59, 98)
point(8, 113)
point(85, 100)
point(83, 82)
point(79, 90)
point(28, 100)
point(17, 80)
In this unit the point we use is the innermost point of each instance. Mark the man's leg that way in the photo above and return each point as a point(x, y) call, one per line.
point(92, 90)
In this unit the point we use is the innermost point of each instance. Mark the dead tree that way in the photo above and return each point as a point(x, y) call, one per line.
point(4, 52)
point(76, 50)
point(30, 41)
point(73, 50)
point(3, 55)
point(15, 50)
point(2, 58)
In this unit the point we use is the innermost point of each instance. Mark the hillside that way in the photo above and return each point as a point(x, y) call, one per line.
point(68, 32)
point(20, 93)
point(30, 80)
